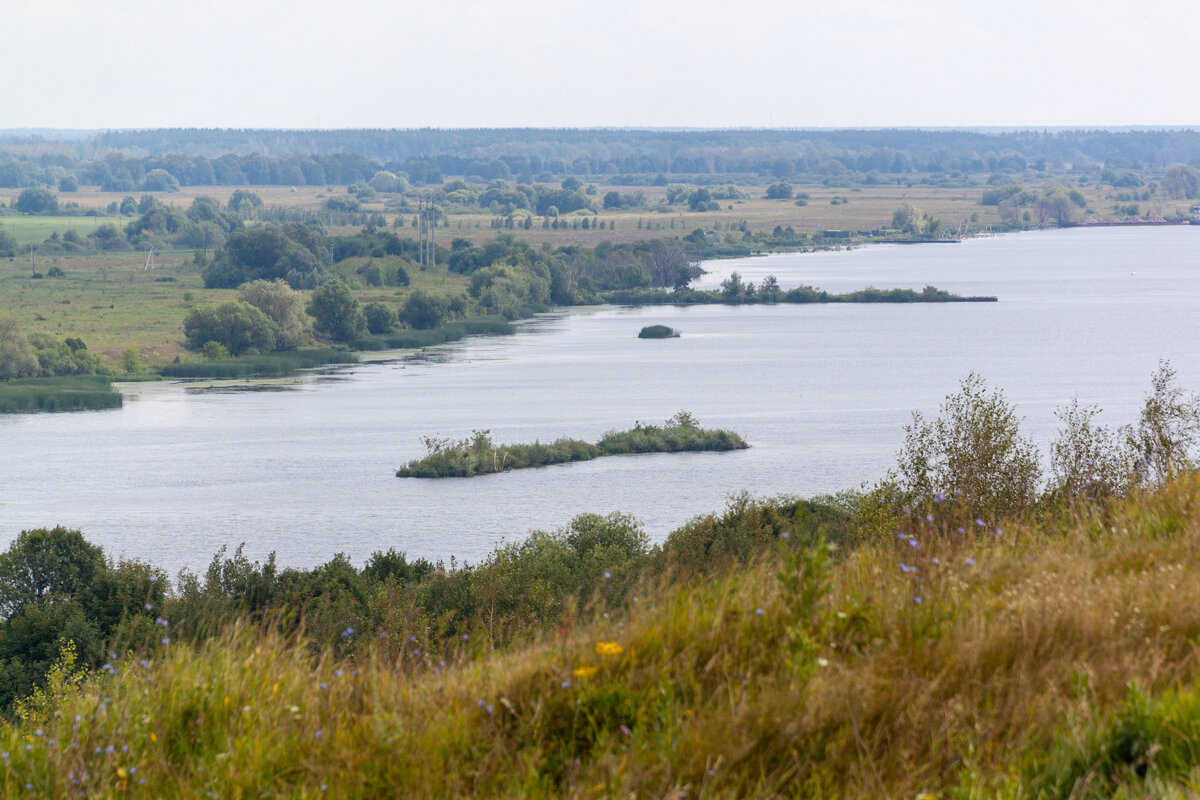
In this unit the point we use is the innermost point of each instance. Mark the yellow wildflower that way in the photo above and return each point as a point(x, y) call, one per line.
point(609, 649)
point(585, 672)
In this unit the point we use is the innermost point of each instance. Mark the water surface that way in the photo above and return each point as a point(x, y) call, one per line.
point(820, 392)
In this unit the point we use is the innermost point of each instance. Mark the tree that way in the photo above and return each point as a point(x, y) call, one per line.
point(237, 325)
point(972, 453)
point(1163, 442)
point(1181, 181)
point(47, 566)
point(159, 180)
point(907, 219)
point(8, 244)
point(380, 318)
point(779, 191)
point(131, 360)
point(244, 201)
point(284, 306)
point(37, 200)
point(68, 183)
point(422, 310)
point(335, 311)
point(266, 252)
point(17, 358)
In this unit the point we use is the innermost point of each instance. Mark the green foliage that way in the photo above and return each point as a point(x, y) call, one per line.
point(214, 351)
point(267, 365)
point(658, 332)
point(36, 200)
point(285, 307)
point(380, 318)
point(972, 455)
point(779, 191)
point(131, 360)
point(266, 252)
point(424, 310)
point(1163, 441)
point(478, 455)
point(237, 325)
point(75, 393)
point(335, 312)
point(17, 356)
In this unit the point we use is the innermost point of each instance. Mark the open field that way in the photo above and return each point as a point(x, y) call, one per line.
point(865, 208)
point(112, 302)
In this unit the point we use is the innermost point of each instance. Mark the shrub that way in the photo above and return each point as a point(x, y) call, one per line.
point(237, 325)
point(973, 453)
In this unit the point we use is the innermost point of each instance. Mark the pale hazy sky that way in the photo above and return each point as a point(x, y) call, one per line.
point(711, 63)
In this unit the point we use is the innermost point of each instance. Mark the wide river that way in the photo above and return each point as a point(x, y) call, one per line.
point(822, 394)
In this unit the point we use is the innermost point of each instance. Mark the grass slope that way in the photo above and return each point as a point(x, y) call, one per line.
point(803, 674)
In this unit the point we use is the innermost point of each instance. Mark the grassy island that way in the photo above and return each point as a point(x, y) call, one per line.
point(658, 332)
point(734, 292)
point(479, 455)
point(66, 393)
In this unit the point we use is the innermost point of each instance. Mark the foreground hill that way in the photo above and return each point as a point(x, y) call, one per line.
point(1051, 660)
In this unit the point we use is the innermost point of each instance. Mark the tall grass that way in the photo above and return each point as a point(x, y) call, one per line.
point(450, 332)
point(74, 393)
point(269, 365)
point(806, 672)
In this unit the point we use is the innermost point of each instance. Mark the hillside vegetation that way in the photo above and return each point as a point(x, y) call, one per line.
point(963, 629)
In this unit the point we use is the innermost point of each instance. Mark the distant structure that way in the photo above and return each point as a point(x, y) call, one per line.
point(149, 258)
point(1196, 215)
point(426, 224)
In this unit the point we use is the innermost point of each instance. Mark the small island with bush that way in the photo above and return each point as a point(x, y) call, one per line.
point(479, 455)
point(658, 332)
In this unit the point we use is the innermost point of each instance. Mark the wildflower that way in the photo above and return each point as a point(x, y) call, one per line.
point(162, 622)
point(154, 579)
point(442, 664)
point(914, 543)
point(625, 730)
point(337, 672)
point(490, 709)
point(961, 529)
point(417, 652)
point(346, 634)
point(939, 497)
point(4, 755)
point(612, 648)
point(970, 561)
point(166, 640)
point(439, 688)
point(318, 734)
point(149, 607)
point(929, 517)
point(324, 685)
point(758, 612)
point(412, 639)
point(585, 672)
point(566, 684)
point(437, 671)
point(999, 532)
point(935, 561)
point(109, 749)
point(783, 535)
point(607, 574)
point(479, 704)
point(465, 637)
point(107, 667)
point(917, 600)
point(383, 634)
point(979, 522)
point(144, 663)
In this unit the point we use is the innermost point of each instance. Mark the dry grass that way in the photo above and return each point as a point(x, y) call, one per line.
point(734, 687)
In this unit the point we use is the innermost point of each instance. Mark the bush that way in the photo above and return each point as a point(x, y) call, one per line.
point(380, 318)
point(237, 325)
point(972, 454)
point(335, 312)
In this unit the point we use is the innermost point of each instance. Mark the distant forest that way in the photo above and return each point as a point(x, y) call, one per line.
point(122, 160)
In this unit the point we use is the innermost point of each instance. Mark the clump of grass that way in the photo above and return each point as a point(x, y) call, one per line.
point(479, 455)
point(268, 365)
point(450, 332)
point(70, 393)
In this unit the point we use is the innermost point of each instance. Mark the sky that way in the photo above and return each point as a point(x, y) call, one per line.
point(582, 63)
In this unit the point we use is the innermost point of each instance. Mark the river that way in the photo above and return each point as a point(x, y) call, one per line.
point(304, 467)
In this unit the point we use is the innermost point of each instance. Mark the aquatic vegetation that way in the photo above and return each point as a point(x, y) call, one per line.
point(479, 455)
